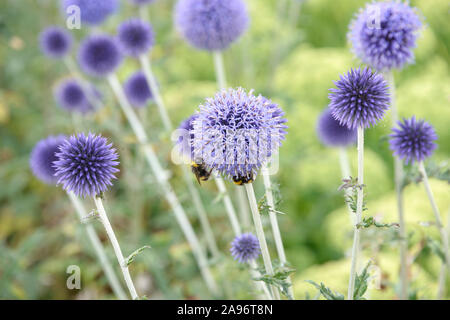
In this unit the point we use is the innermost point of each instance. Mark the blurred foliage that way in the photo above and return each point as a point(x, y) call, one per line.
point(293, 60)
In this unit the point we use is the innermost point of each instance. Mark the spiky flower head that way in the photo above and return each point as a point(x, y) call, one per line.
point(413, 140)
point(99, 55)
point(361, 98)
point(237, 132)
point(55, 42)
point(92, 12)
point(186, 136)
point(71, 96)
point(384, 34)
point(137, 89)
point(135, 37)
point(86, 165)
point(43, 156)
point(245, 248)
point(331, 133)
point(141, 2)
point(211, 24)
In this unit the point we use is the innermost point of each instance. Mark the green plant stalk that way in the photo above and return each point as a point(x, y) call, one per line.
point(98, 248)
point(161, 177)
point(443, 272)
point(118, 252)
point(261, 237)
point(359, 208)
point(437, 215)
point(193, 191)
point(398, 179)
point(274, 223)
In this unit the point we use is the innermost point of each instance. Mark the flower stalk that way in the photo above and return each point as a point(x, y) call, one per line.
point(161, 177)
point(437, 215)
point(274, 224)
point(200, 209)
point(359, 208)
point(398, 178)
point(118, 252)
point(98, 248)
point(260, 234)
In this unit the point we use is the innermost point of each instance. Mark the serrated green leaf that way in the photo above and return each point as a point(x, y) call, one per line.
point(326, 292)
point(132, 256)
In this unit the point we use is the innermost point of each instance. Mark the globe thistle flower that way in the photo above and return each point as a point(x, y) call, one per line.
point(42, 157)
point(331, 133)
point(211, 24)
point(245, 247)
point(55, 42)
point(186, 137)
point(99, 55)
point(85, 165)
point(141, 2)
point(237, 132)
point(71, 96)
point(135, 37)
point(137, 89)
point(360, 100)
point(384, 34)
point(93, 12)
point(413, 140)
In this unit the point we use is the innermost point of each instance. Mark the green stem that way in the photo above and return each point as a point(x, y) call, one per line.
point(112, 238)
point(260, 234)
point(98, 248)
point(359, 208)
point(437, 215)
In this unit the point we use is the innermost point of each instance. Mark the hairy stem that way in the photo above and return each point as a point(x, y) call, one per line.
point(228, 205)
point(260, 234)
point(443, 272)
point(161, 177)
point(359, 208)
point(118, 252)
point(98, 248)
point(220, 69)
point(274, 223)
point(398, 179)
point(200, 209)
point(146, 66)
point(437, 215)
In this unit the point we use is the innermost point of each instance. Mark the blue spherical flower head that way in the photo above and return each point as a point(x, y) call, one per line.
point(92, 12)
point(211, 24)
point(137, 89)
point(360, 99)
point(245, 248)
point(237, 132)
point(186, 137)
point(55, 42)
point(43, 156)
point(141, 2)
point(135, 37)
point(331, 133)
point(86, 165)
point(413, 140)
point(384, 34)
point(71, 96)
point(99, 55)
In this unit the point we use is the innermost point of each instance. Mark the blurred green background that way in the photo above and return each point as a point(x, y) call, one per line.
point(291, 53)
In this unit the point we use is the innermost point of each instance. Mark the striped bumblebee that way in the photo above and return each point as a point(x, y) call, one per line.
point(200, 171)
point(240, 180)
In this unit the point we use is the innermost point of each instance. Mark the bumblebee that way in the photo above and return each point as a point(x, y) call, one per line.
point(200, 172)
point(240, 180)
